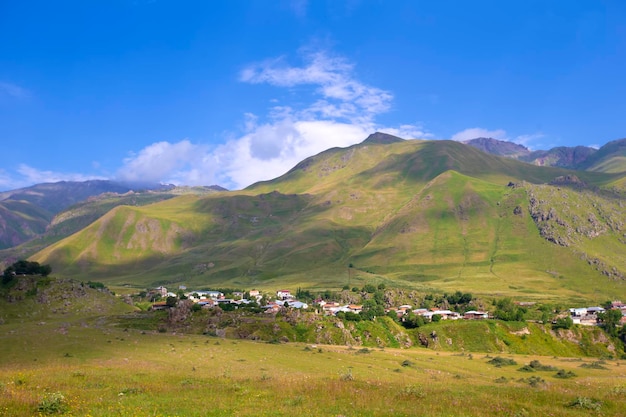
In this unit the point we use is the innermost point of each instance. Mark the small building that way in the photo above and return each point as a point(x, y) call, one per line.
point(283, 294)
point(297, 304)
point(475, 315)
point(159, 305)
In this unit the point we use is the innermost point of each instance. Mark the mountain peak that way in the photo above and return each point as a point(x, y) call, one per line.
point(498, 147)
point(382, 138)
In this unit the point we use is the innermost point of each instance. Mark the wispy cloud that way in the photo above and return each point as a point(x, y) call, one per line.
point(165, 162)
point(478, 132)
point(33, 176)
point(338, 110)
point(499, 134)
point(341, 96)
point(13, 90)
point(25, 175)
point(299, 7)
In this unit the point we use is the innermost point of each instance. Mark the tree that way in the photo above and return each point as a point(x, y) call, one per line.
point(171, 301)
point(563, 323)
point(507, 310)
point(610, 319)
point(23, 267)
point(372, 309)
point(412, 320)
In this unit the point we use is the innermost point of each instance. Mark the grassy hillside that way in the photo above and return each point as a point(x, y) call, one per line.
point(429, 215)
point(69, 349)
point(20, 221)
point(609, 158)
point(107, 371)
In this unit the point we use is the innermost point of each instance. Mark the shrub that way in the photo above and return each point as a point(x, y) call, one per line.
point(563, 323)
point(347, 376)
point(53, 403)
point(563, 374)
point(533, 381)
point(538, 366)
point(594, 365)
point(415, 391)
point(586, 403)
point(499, 362)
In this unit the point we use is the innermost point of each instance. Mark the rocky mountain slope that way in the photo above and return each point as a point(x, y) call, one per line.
point(47, 212)
point(609, 158)
point(430, 215)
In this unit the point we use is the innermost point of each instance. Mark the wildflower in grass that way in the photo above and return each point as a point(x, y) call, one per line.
point(53, 403)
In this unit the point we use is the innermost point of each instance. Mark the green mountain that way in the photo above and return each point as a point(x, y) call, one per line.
point(429, 215)
point(610, 158)
point(51, 229)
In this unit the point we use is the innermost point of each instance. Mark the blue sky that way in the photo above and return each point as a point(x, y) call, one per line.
point(233, 92)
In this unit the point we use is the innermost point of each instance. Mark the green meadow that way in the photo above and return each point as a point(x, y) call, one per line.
point(102, 370)
point(71, 348)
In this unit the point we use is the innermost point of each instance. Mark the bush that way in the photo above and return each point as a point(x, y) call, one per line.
point(53, 403)
point(563, 374)
point(594, 365)
point(538, 366)
point(347, 376)
point(499, 362)
point(586, 404)
point(563, 323)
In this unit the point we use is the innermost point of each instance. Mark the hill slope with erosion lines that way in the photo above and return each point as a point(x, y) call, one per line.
point(430, 215)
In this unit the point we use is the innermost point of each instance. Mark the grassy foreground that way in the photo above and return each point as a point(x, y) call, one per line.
point(97, 370)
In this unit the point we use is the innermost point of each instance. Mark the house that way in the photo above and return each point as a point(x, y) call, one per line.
point(162, 290)
point(475, 315)
point(297, 304)
point(272, 307)
point(254, 294)
point(283, 294)
point(330, 308)
point(159, 305)
point(586, 316)
point(595, 310)
point(444, 314)
point(213, 294)
point(207, 303)
point(354, 308)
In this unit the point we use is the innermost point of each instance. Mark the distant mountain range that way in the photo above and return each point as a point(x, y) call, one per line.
point(610, 158)
point(28, 213)
point(429, 215)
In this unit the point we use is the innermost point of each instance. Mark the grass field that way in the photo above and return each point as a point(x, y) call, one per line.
point(91, 368)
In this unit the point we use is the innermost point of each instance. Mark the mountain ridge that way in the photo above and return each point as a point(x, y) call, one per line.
point(436, 215)
point(609, 158)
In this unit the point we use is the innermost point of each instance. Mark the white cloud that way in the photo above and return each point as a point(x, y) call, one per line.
point(13, 90)
point(343, 97)
point(499, 134)
point(26, 175)
point(272, 149)
point(477, 132)
point(165, 162)
point(340, 112)
point(32, 175)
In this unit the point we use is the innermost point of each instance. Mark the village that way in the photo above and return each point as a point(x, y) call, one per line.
point(285, 299)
